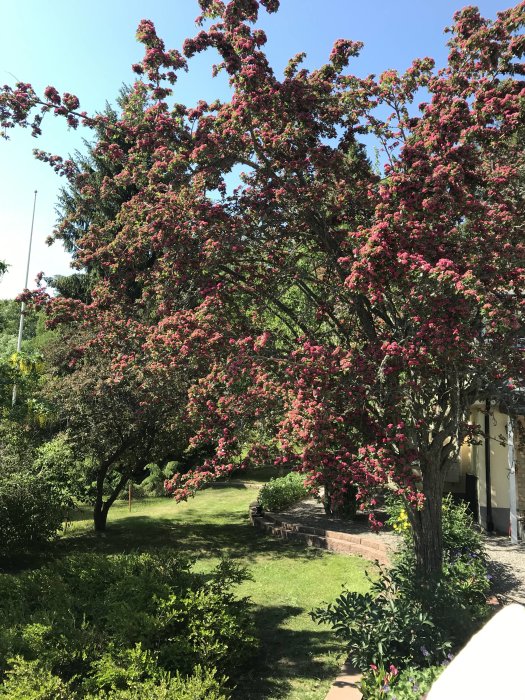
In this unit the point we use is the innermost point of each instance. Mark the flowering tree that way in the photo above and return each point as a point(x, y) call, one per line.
point(332, 317)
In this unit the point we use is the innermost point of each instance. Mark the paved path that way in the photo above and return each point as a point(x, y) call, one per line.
point(507, 568)
point(345, 685)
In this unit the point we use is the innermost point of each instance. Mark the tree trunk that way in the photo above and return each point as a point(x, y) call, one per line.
point(427, 526)
point(100, 511)
point(327, 500)
point(100, 516)
point(345, 507)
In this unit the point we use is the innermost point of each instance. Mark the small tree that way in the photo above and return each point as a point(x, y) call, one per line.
point(115, 425)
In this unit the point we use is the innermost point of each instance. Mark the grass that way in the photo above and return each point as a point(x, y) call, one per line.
point(298, 659)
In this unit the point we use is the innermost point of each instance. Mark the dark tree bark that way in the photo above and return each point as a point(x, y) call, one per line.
point(100, 512)
point(101, 508)
point(100, 516)
point(427, 523)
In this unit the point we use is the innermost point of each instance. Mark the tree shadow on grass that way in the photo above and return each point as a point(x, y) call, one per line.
point(286, 657)
point(203, 539)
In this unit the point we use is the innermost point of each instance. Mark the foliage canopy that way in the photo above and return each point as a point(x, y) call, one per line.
point(345, 318)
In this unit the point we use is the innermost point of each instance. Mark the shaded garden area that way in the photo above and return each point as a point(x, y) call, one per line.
point(296, 658)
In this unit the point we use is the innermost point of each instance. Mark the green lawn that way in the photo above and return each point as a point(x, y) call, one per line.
point(298, 659)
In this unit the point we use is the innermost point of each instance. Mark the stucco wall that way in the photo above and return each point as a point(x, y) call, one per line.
point(499, 467)
point(520, 465)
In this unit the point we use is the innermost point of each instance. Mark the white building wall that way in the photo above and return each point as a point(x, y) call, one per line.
point(499, 469)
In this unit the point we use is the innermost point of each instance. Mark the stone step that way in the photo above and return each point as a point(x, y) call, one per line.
point(366, 540)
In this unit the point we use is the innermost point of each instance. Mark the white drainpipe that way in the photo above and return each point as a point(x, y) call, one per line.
point(512, 482)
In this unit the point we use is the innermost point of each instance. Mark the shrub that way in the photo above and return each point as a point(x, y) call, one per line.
point(202, 685)
point(409, 684)
point(105, 623)
point(29, 680)
point(152, 486)
point(405, 621)
point(282, 492)
point(55, 462)
point(384, 626)
point(459, 531)
point(457, 601)
point(31, 512)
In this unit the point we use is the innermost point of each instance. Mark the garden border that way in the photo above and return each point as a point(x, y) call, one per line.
point(283, 526)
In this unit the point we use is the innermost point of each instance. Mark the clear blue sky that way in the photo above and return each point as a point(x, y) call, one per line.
point(88, 48)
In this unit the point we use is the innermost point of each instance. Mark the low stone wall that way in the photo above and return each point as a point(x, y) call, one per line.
point(365, 546)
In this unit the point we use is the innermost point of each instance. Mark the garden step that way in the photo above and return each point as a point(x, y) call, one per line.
point(334, 541)
point(307, 529)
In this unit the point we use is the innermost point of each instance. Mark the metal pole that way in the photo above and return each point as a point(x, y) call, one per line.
point(489, 522)
point(23, 306)
point(512, 483)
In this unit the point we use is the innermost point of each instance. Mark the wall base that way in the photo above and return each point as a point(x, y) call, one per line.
point(500, 516)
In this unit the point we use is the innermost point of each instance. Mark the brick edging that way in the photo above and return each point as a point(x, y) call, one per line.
point(332, 540)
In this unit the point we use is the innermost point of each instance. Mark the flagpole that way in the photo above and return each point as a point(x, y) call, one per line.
point(23, 306)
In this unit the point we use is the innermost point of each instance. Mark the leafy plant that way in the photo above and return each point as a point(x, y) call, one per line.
point(101, 624)
point(56, 463)
point(153, 484)
point(409, 684)
point(384, 626)
point(201, 685)
point(31, 512)
point(376, 683)
point(30, 680)
point(457, 598)
point(282, 492)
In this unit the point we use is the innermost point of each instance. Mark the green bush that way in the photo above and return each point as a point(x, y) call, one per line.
point(38, 487)
point(282, 492)
point(457, 601)
point(55, 462)
point(102, 624)
point(406, 621)
point(202, 685)
point(152, 486)
point(31, 512)
point(410, 684)
point(29, 680)
point(384, 626)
